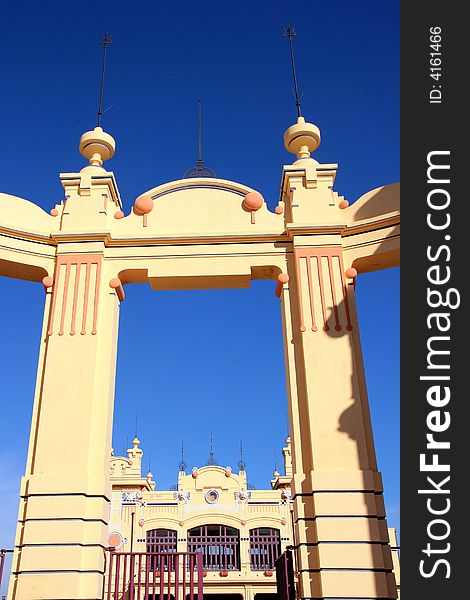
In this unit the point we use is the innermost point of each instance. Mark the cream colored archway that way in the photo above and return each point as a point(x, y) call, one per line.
point(201, 233)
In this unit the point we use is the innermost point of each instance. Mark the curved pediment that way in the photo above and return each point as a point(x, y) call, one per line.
point(201, 207)
point(378, 203)
point(19, 214)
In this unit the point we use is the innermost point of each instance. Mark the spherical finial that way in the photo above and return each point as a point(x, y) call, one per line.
point(252, 201)
point(302, 138)
point(351, 273)
point(143, 205)
point(97, 146)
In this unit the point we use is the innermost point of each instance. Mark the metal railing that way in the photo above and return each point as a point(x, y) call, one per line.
point(154, 576)
point(285, 576)
point(3, 555)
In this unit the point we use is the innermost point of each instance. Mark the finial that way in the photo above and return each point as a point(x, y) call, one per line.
point(211, 461)
point(290, 33)
point(135, 426)
point(106, 41)
point(241, 462)
point(302, 138)
point(275, 464)
point(98, 146)
point(200, 170)
point(182, 464)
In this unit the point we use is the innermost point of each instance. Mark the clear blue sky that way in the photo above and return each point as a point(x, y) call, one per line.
point(164, 57)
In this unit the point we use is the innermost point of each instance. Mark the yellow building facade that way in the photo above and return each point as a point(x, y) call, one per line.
point(240, 531)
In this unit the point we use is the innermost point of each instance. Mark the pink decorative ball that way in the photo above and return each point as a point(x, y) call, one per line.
point(115, 283)
point(119, 214)
point(343, 204)
point(279, 209)
point(252, 201)
point(283, 521)
point(54, 212)
point(47, 281)
point(283, 278)
point(141, 522)
point(350, 273)
point(143, 205)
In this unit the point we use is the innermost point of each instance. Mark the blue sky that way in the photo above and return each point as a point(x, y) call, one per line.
point(164, 57)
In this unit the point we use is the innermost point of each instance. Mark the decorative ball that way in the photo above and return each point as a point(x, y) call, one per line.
point(228, 471)
point(115, 540)
point(283, 278)
point(343, 204)
point(252, 201)
point(47, 281)
point(283, 521)
point(181, 523)
point(350, 273)
point(195, 473)
point(279, 209)
point(243, 522)
point(143, 205)
point(54, 212)
point(115, 283)
point(119, 214)
point(141, 522)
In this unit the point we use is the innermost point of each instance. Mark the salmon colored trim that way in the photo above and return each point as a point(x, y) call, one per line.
point(85, 298)
point(333, 293)
point(75, 298)
point(79, 260)
point(318, 254)
point(116, 284)
point(299, 291)
point(326, 327)
point(345, 294)
point(54, 302)
point(64, 299)
point(97, 296)
point(47, 282)
point(310, 293)
point(282, 278)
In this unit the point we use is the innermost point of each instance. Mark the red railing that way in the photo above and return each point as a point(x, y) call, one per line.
point(154, 576)
point(285, 576)
point(3, 554)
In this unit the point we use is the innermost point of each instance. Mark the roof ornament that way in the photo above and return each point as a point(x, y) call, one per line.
point(97, 145)
point(211, 461)
point(302, 138)
point(182, 463)
point(241, 462)
point(199, 170)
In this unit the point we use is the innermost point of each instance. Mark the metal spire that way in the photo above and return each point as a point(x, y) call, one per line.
point(211, 461)
point(290, 33)
point(105, 42)
point(200, 170)
point(182, 464)
point(241, 462)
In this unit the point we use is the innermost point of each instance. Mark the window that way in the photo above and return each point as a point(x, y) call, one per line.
point(265, 548)
point(160, 540)
point(219, 545)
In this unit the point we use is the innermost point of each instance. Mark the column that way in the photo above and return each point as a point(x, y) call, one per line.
point(340, 529)
point(66, 493)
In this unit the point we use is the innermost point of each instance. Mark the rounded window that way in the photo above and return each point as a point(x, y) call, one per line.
point(212, 496)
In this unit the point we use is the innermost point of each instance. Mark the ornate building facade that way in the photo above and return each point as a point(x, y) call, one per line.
point(212, 510)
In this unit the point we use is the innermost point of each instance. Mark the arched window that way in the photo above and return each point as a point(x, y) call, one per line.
point(219, 545)
point(265, 548)
point(160, 541)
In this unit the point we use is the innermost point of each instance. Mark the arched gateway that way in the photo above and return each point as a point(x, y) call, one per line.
point(200, 233)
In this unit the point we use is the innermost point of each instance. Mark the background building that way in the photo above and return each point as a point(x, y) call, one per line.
point(239, 531)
